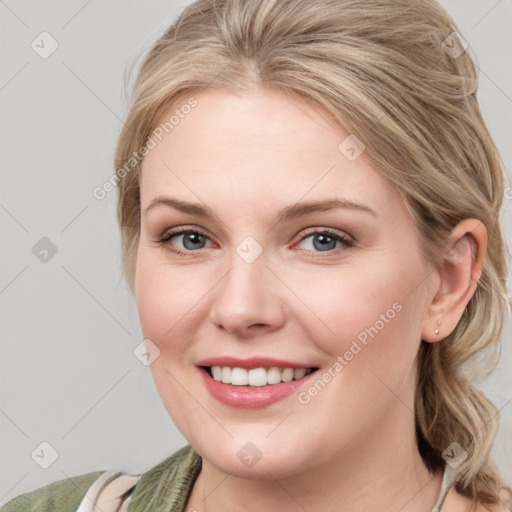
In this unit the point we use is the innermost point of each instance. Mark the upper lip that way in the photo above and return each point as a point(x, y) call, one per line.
point(250, 363)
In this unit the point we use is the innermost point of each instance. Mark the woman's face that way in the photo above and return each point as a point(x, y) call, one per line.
point(257, 278)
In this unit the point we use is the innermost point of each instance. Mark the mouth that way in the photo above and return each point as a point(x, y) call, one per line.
point(256, 377)
point(254, 388)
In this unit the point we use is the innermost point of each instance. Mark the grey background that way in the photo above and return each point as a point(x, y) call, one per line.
point(69, 326)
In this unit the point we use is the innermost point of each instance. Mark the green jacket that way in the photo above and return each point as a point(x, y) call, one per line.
point(164, 488)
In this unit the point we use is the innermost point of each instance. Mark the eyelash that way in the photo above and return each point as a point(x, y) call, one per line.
point(165, 238)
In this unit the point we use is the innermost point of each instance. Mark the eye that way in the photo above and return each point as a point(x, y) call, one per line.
point(191, 240)
point(325, 240)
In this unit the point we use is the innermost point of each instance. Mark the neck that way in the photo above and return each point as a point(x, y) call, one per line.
point(384, 472)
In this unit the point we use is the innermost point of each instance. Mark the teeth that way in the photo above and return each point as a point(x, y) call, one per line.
point(216, 372)
point(257, 376)
point(225, 375)
point(273, 375)
point(239, 377)
point(298, 374)
point(287, 375)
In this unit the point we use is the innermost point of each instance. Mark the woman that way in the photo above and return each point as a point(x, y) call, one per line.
point(309, 207)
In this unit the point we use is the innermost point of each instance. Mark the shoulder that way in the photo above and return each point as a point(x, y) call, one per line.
point(63, 495)
point(168, 482)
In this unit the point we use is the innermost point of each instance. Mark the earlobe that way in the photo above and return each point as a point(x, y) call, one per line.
point(459, 272)
point(436, 330)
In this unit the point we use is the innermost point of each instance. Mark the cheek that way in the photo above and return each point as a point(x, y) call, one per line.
point(372, 351)
point(168, 299)
point(371, 317)
point(168, 302)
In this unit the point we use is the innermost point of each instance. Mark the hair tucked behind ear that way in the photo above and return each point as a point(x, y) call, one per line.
point(385, 70)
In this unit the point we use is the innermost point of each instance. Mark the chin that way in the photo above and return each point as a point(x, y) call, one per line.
point(260, 459)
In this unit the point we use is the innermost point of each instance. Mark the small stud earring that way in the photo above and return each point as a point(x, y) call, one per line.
point(436, 330)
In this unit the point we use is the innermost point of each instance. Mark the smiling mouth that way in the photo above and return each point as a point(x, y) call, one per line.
point(256, 377)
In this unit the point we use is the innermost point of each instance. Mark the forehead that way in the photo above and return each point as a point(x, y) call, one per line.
point(262, 148)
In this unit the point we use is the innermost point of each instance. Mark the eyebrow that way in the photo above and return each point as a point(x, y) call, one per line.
point(289, 212)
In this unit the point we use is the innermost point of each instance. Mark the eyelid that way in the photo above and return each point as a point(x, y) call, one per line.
point(181, 230)
point(328, 231)
point(343, 238)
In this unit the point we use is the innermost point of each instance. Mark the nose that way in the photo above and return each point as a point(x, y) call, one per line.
point(247, 301)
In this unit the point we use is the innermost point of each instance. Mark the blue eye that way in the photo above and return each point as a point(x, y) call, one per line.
point(323, 240)
point(191, 239)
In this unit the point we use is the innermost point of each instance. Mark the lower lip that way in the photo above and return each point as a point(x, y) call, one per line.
point(247, 397)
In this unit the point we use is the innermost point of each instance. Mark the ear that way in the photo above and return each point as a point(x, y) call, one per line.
point(457, 278)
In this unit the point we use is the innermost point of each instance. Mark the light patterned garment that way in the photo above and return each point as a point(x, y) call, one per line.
point(449, 476)
point(111, 492)
point(164, 488)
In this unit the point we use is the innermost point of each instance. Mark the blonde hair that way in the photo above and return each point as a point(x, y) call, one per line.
point(395, 74)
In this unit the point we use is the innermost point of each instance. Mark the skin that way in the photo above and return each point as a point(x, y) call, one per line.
point(245, 158)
